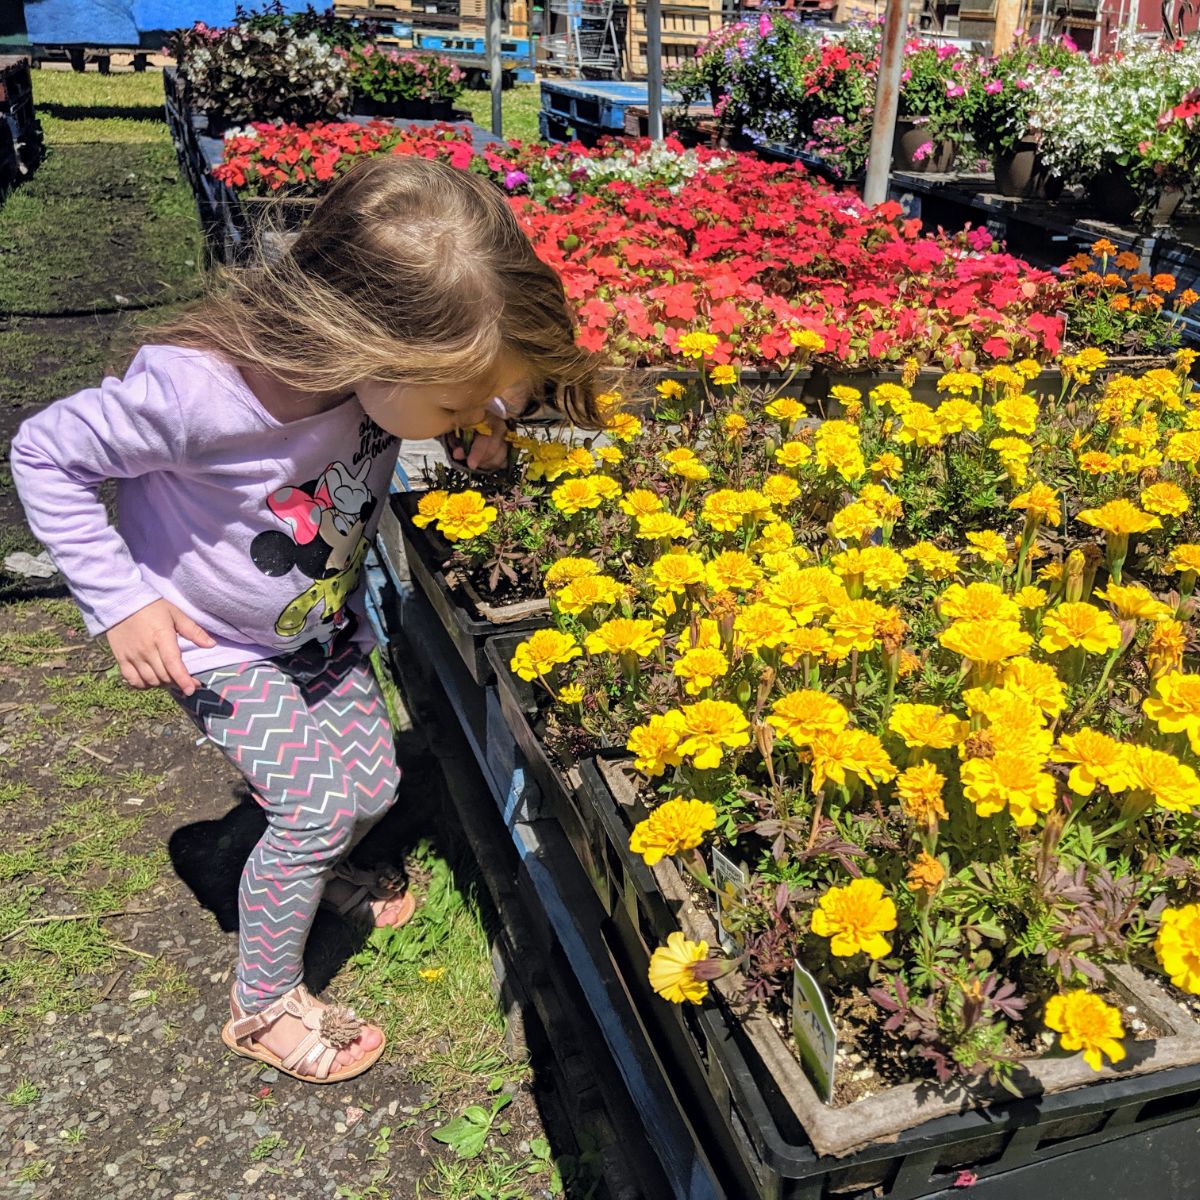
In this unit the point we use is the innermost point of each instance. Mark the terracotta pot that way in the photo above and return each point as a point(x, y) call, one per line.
point(909, 138)
point(1116, 199)
point(1021, 173)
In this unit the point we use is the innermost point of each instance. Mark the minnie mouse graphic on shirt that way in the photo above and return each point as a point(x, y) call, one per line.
point(327, 518)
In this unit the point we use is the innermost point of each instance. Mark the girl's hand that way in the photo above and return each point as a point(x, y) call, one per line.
point(489, 451)
point(147, 651)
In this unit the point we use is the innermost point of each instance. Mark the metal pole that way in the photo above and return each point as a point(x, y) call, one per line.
point(495, 70)
point(654, 80)
point(887, 101)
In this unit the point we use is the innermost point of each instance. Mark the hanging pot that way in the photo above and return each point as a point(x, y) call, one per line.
point(1021, 173)
point(910, 136)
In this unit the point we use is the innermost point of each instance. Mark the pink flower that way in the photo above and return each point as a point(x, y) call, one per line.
point(764, 25)
point(922, 152)
point(945, 51)
point(514, 179)
point(954, 90)
point(965, 1179)
point(993, 86)
point(1023, 84)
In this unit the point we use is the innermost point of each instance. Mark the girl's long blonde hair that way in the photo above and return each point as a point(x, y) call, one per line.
point(408, 271)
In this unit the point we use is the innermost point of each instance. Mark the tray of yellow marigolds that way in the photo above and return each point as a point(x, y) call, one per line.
point(879, 735)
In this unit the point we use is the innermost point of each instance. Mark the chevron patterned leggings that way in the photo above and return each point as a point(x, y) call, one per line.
point(317, 750)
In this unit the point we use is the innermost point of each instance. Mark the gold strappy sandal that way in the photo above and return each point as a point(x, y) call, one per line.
point(379, 883)
point(330, 1029)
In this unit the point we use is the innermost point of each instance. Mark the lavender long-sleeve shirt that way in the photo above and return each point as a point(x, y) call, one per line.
point(256, 529)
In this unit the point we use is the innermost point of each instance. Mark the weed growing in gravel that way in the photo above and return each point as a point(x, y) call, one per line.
point(266, 1146)
point(73, 1134)
point(161, 982)
point(24, 1093)
point(14, 793)
point(31, 1172)
point(107, 695)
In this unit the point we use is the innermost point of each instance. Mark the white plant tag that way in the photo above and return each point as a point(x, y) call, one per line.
point(730, 881)
point(812, 1027)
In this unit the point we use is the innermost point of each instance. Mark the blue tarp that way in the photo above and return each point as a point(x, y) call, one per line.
point(113, 23)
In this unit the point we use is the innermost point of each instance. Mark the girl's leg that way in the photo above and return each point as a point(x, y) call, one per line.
point(348, 705)
point(258, 716)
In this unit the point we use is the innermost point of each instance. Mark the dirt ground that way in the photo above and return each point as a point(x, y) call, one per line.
point(124, 837)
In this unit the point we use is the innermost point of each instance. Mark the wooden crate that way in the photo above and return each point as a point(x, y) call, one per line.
point(677, 50)
point(680, 19)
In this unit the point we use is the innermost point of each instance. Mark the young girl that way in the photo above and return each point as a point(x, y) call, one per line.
point(252, 445)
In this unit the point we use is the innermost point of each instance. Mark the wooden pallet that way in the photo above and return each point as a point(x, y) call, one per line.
point(20, 132)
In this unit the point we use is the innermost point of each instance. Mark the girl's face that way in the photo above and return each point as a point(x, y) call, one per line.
point(427, 410)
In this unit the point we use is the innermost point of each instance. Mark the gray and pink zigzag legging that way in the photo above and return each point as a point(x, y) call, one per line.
point(318, 752)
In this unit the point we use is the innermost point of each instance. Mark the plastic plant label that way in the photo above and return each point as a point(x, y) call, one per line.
point(730, 881)
point(812, 1027)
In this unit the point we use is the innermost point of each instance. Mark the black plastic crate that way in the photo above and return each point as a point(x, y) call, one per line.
point(468, 633)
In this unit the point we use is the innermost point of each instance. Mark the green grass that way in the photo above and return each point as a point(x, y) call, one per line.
point(100, 108)
point(24, 1093)
point(521, 103)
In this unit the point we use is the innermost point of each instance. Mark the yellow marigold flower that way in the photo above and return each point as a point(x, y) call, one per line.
point(573, 495)
point(609, 455)
point(662, 526)
point(606, 487)
point(853, 625)
point(673, 826)
point(655, 745)
point(956, 414)
point(855, 918)
point(707, 635)
point(891, 395)
point(723, 375)
point(700, 668)
point(428, 508)
point(671, 974)
point(935, 562)
point(683, 462)
point(1184, 447)
point(854, 522)
point(920, 791)
point(1185, 557)
point(1178, 946)
point(571, 693)
point(669, 389)
point(723, 510)
point(785, 408)
point(806, 339)
point(1008, 779)
point(1082, 366)
point(802, 715)
point(844, 394)
point(926, 874)
point(1165, 499)
point(879, 567)
point(1096, 462)
point(541, 652)
point(792, 455)
point(1016, 414)
point(735, 424)
point(798, 592)
point(815, 643)
point(677, 571)
point(1031, 598)
point(1041, 503)
point(987, 641)
point(640, 502)
point(849, 750)
point(977, 602)
point(587, 591)
point(566, 570)
point(1164, 651)
point(774, 536)
point(708, 726)
point(960, 383)
point(1156, 773)
point(1079, 625)
point(1096, 759)
point(464, 515)
point(1014, 455)
point(732, 571)
point(624, 635)
point(1030, 368)
point(761, 626)
point(1175, 706)
point(837, 448)
point(697, 345)
point(1135, 603)
point(780, 490)
point(623, 426)
point(780, 561)
point(887, 505)
point(1084, 1022)
point(1037, 681)
point(1119, 517)
point(887, 466)
point(919, 426)
point(926, 725)
point(989, 545)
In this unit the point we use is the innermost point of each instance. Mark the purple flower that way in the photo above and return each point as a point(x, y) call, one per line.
point(514, 179)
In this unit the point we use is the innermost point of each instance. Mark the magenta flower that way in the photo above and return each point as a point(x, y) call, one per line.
point(514, 179)
point(764, 25)
point(993, 86)
point(954, 90)
point(922, 152)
